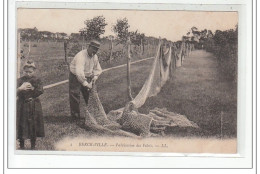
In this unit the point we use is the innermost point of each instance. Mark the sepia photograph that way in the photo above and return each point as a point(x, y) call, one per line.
point(126, 80)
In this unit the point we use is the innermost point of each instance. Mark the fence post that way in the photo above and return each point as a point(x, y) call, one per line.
point(29, 49)
point(65, 51)
point(160, 50)
point(142, 47)
point(111, 51)
point(129, 92)
point(83, 40)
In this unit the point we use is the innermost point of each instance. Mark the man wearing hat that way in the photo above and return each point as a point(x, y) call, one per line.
point(84, 70)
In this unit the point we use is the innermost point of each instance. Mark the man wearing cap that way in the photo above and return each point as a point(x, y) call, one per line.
point(84, 70)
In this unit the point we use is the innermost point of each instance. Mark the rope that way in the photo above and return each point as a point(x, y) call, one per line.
point(108, 69)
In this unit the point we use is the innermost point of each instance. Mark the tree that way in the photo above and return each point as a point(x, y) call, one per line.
point(226, 37)
point(30, 34)
point(121, 29)
point(137, 38)
point(111, 38)
point(185, 38)
point(210, 34)
point(75, 36)
point(195, 34)
point(194, 29)
point(94, 28)
point(197, 37)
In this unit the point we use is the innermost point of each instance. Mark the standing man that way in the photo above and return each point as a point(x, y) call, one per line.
point(84, 70)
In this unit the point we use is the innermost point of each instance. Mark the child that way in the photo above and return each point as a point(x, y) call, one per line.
point(29, 122)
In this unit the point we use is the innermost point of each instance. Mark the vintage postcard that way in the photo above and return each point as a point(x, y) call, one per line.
point(126, 81)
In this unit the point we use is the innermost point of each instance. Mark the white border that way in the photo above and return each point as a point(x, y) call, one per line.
point(215, 161)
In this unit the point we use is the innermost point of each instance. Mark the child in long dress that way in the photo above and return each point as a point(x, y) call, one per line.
point(29, 122)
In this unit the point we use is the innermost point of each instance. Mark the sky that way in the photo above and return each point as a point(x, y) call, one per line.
point(171, 25)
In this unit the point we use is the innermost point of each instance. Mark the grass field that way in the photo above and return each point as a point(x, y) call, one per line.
point(51, 67)
point(196, 90)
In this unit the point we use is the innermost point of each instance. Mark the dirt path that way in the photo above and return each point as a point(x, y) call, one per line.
point(198, 91)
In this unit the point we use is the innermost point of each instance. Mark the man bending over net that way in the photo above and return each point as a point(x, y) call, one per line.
point(84, 70)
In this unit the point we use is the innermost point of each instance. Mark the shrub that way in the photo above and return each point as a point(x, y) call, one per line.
point(74, 50)
point(224, 45)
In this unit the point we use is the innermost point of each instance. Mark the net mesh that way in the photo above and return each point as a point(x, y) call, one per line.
point(128, 121)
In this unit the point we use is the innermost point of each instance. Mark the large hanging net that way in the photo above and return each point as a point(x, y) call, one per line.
point(128, 121)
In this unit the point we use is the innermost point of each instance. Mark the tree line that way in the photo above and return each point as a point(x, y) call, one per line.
point(223, 44)
point(33, 34)
point(93, 29)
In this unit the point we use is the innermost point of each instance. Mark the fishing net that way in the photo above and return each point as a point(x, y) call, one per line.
point(180, 55)
point(128, 121)
point(157, 76)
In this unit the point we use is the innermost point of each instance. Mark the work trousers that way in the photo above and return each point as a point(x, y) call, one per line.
point(75, 87)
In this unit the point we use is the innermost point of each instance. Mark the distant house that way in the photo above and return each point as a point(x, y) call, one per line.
point(53, 35)
point(34, 34)
point(45, 34)
point(60, 35)
point(57, 35)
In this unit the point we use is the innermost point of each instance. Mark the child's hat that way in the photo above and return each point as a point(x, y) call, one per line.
point(29, 64)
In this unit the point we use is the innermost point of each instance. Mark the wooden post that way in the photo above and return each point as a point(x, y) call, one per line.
point(29, 49)
point(18, 55)
point(182, 56)
point(111, 51)
point(129, 92)
point(82, 42)
point(142, 46)
point(65, 51)
point(140, 50)
point(160, 50)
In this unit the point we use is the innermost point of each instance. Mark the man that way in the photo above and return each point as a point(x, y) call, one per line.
point(84, 71)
